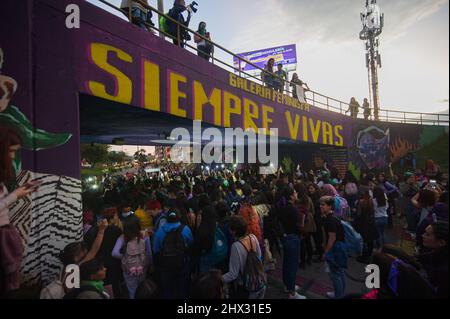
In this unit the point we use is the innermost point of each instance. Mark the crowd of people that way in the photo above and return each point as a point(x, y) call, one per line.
point(193, 233)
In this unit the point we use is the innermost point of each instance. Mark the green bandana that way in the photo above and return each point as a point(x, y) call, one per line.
point(96, 284)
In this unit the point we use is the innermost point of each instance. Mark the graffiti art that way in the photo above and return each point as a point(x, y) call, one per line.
point(372, 146)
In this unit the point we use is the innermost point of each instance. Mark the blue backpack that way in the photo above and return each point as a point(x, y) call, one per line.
point(353, 239)
point(219, 250)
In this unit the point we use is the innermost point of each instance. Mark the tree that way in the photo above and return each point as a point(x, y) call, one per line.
point(117, 157)
point(287, 165)
point(141, 156)
point(94, 153)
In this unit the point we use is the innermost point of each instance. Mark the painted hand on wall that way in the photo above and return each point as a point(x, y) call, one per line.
point(400, 148)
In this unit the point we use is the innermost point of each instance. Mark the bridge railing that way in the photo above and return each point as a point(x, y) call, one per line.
point(313, 98)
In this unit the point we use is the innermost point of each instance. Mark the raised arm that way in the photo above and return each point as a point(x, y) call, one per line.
point(102, 225)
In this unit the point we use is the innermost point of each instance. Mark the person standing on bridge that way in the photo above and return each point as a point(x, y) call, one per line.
point(353, 108)
point(140, 16)
point(204, 48)
point(367, 110)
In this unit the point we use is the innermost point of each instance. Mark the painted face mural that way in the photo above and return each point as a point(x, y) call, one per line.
point(48, 219)
point(372, 144)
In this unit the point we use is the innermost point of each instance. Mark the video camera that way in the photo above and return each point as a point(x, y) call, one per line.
point(192, 7)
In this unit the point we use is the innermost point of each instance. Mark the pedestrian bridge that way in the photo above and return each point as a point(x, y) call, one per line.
point(110, 80)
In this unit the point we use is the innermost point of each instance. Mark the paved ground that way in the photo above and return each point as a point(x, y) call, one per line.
point(314, 281)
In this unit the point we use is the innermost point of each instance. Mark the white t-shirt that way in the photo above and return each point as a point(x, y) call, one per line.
point(380, 211)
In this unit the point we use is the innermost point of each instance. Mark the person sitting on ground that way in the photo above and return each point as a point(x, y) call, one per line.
point(140, 16)
point(204, 48)
point(92, 274)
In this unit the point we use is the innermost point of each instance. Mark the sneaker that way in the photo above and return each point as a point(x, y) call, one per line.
point(330, 294)
point(287, 291)
point(296, 296)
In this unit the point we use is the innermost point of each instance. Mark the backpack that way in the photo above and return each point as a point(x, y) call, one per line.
point(174, 251)
point(353, 239)
point(351, 189)
point(163, 24)
point(342, 209)
point(133, 260)
point(254, 277)
point(220, 248)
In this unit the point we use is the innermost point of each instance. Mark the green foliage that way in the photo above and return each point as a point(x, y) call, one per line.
point(94, 153)
point(287, 165)
point(354, 170)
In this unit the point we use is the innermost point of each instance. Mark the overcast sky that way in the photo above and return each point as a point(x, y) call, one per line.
point(414, 45)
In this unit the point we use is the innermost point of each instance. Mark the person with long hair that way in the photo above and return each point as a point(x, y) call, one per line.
point(365, 224)
point(424, 201)
point(135, 252)
point(314, 193)
point(380, 204)
point(290, 221)
point(11, 247)
point(267, 77)
point(204, 47)
point(306, 208)
point(435, 262)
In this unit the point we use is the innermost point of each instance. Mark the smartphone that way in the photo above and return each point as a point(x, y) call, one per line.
point(33, 184)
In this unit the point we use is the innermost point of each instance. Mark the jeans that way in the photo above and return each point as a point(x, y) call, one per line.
point(139, 17)
point(306, 251)
point(132, 283)
point(381, 223)
point(337, 276)
point(291, 246)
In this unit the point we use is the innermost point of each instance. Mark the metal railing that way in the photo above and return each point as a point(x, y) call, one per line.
point(313, 98)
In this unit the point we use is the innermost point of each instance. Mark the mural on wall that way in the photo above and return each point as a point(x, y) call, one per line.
point(372, 144)
point(405, 146)
point(50, 218)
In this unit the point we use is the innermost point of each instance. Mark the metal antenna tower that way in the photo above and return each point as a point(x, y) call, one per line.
point(373, 23)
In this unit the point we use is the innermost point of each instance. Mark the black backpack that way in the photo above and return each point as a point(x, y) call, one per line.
point(174, 251)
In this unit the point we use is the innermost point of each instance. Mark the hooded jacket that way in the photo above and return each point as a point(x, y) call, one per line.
point(164, 230)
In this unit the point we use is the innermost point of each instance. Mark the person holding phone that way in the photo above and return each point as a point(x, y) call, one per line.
point(204, 48)
point(11, 247)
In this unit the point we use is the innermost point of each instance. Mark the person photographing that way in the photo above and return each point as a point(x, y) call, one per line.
point(204, 48)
